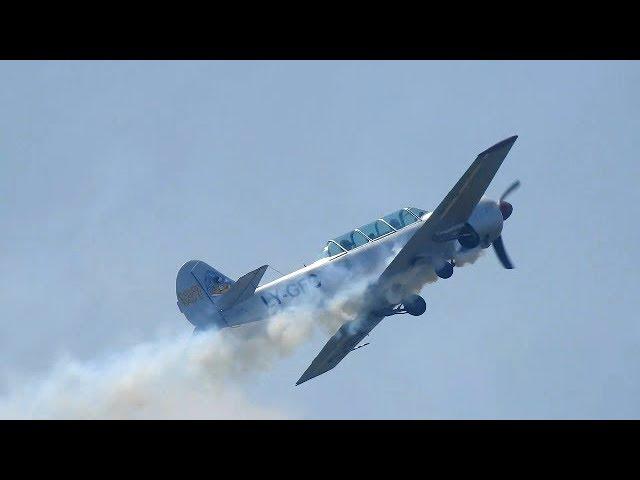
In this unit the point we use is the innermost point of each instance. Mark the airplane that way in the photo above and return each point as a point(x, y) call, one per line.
point(397, 253)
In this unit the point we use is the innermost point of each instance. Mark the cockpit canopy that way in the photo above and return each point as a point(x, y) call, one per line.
point(372, 231)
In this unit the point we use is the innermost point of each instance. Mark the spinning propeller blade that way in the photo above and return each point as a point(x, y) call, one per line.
point(506, 208)
point(498, 246)
point(514, 186)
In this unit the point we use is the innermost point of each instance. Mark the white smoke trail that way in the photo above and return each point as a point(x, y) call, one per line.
point(468, 257)
point(178, 378)
point(184, 377)
point(187, 376)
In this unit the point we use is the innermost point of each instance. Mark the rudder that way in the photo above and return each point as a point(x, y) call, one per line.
point(198, 289)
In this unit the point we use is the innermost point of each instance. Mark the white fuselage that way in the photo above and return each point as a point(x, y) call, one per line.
point(320, 281)
point(325, 277)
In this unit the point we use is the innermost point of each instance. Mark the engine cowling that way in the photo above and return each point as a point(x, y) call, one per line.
point(484, 225)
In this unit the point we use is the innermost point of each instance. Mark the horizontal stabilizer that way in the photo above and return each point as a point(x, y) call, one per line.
point(243, 289)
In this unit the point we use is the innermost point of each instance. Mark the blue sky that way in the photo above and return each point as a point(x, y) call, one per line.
point(113, 174)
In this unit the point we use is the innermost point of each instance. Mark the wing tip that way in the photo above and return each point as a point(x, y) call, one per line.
point(506, 142)
point(311, 373)
point(304, 378)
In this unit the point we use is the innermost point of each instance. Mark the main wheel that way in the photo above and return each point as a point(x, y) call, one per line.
point(415, 305)
point(446, 271)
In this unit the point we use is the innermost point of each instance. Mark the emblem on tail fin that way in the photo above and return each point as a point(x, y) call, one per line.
point(190, 295)
point(215, 284)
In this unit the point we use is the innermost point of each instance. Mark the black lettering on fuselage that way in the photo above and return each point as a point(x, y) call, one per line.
point(277, 297)
point(271, 299)
point(316, 280)
point(293, 289)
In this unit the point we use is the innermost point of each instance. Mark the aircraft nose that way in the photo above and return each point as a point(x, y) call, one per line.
point(506, 208)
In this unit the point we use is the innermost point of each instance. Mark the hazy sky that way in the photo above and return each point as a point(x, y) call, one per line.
point(113, 174)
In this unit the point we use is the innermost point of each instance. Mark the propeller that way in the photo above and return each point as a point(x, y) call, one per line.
point(498, 246)
point(514, 186)
point(506, 209)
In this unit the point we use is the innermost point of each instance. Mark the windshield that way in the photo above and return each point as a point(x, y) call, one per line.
point(400, 219)
point(418, 212)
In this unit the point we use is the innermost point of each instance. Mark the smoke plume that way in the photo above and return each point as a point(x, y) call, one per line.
point(187, 376)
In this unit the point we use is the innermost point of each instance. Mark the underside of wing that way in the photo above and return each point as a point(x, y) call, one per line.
point(441, 226)
point(452, 213)
point(338, 346)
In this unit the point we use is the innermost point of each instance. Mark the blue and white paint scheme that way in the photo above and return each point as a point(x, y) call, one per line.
point(397, 253)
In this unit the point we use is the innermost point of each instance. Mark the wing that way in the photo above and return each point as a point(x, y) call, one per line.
point(443, 224)
point(338, 346)
point(453, 212)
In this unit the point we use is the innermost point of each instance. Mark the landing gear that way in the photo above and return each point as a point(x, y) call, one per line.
point(446, 271)
point(415, 305)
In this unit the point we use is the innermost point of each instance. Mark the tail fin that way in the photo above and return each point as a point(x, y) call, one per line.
point(199, 288)
point(204, 293)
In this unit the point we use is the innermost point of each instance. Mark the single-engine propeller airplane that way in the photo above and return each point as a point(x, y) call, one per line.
point(416, 241)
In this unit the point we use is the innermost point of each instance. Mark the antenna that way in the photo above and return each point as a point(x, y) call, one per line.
point(273, 268)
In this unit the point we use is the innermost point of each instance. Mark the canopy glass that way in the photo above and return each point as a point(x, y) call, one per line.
point(372, 231)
